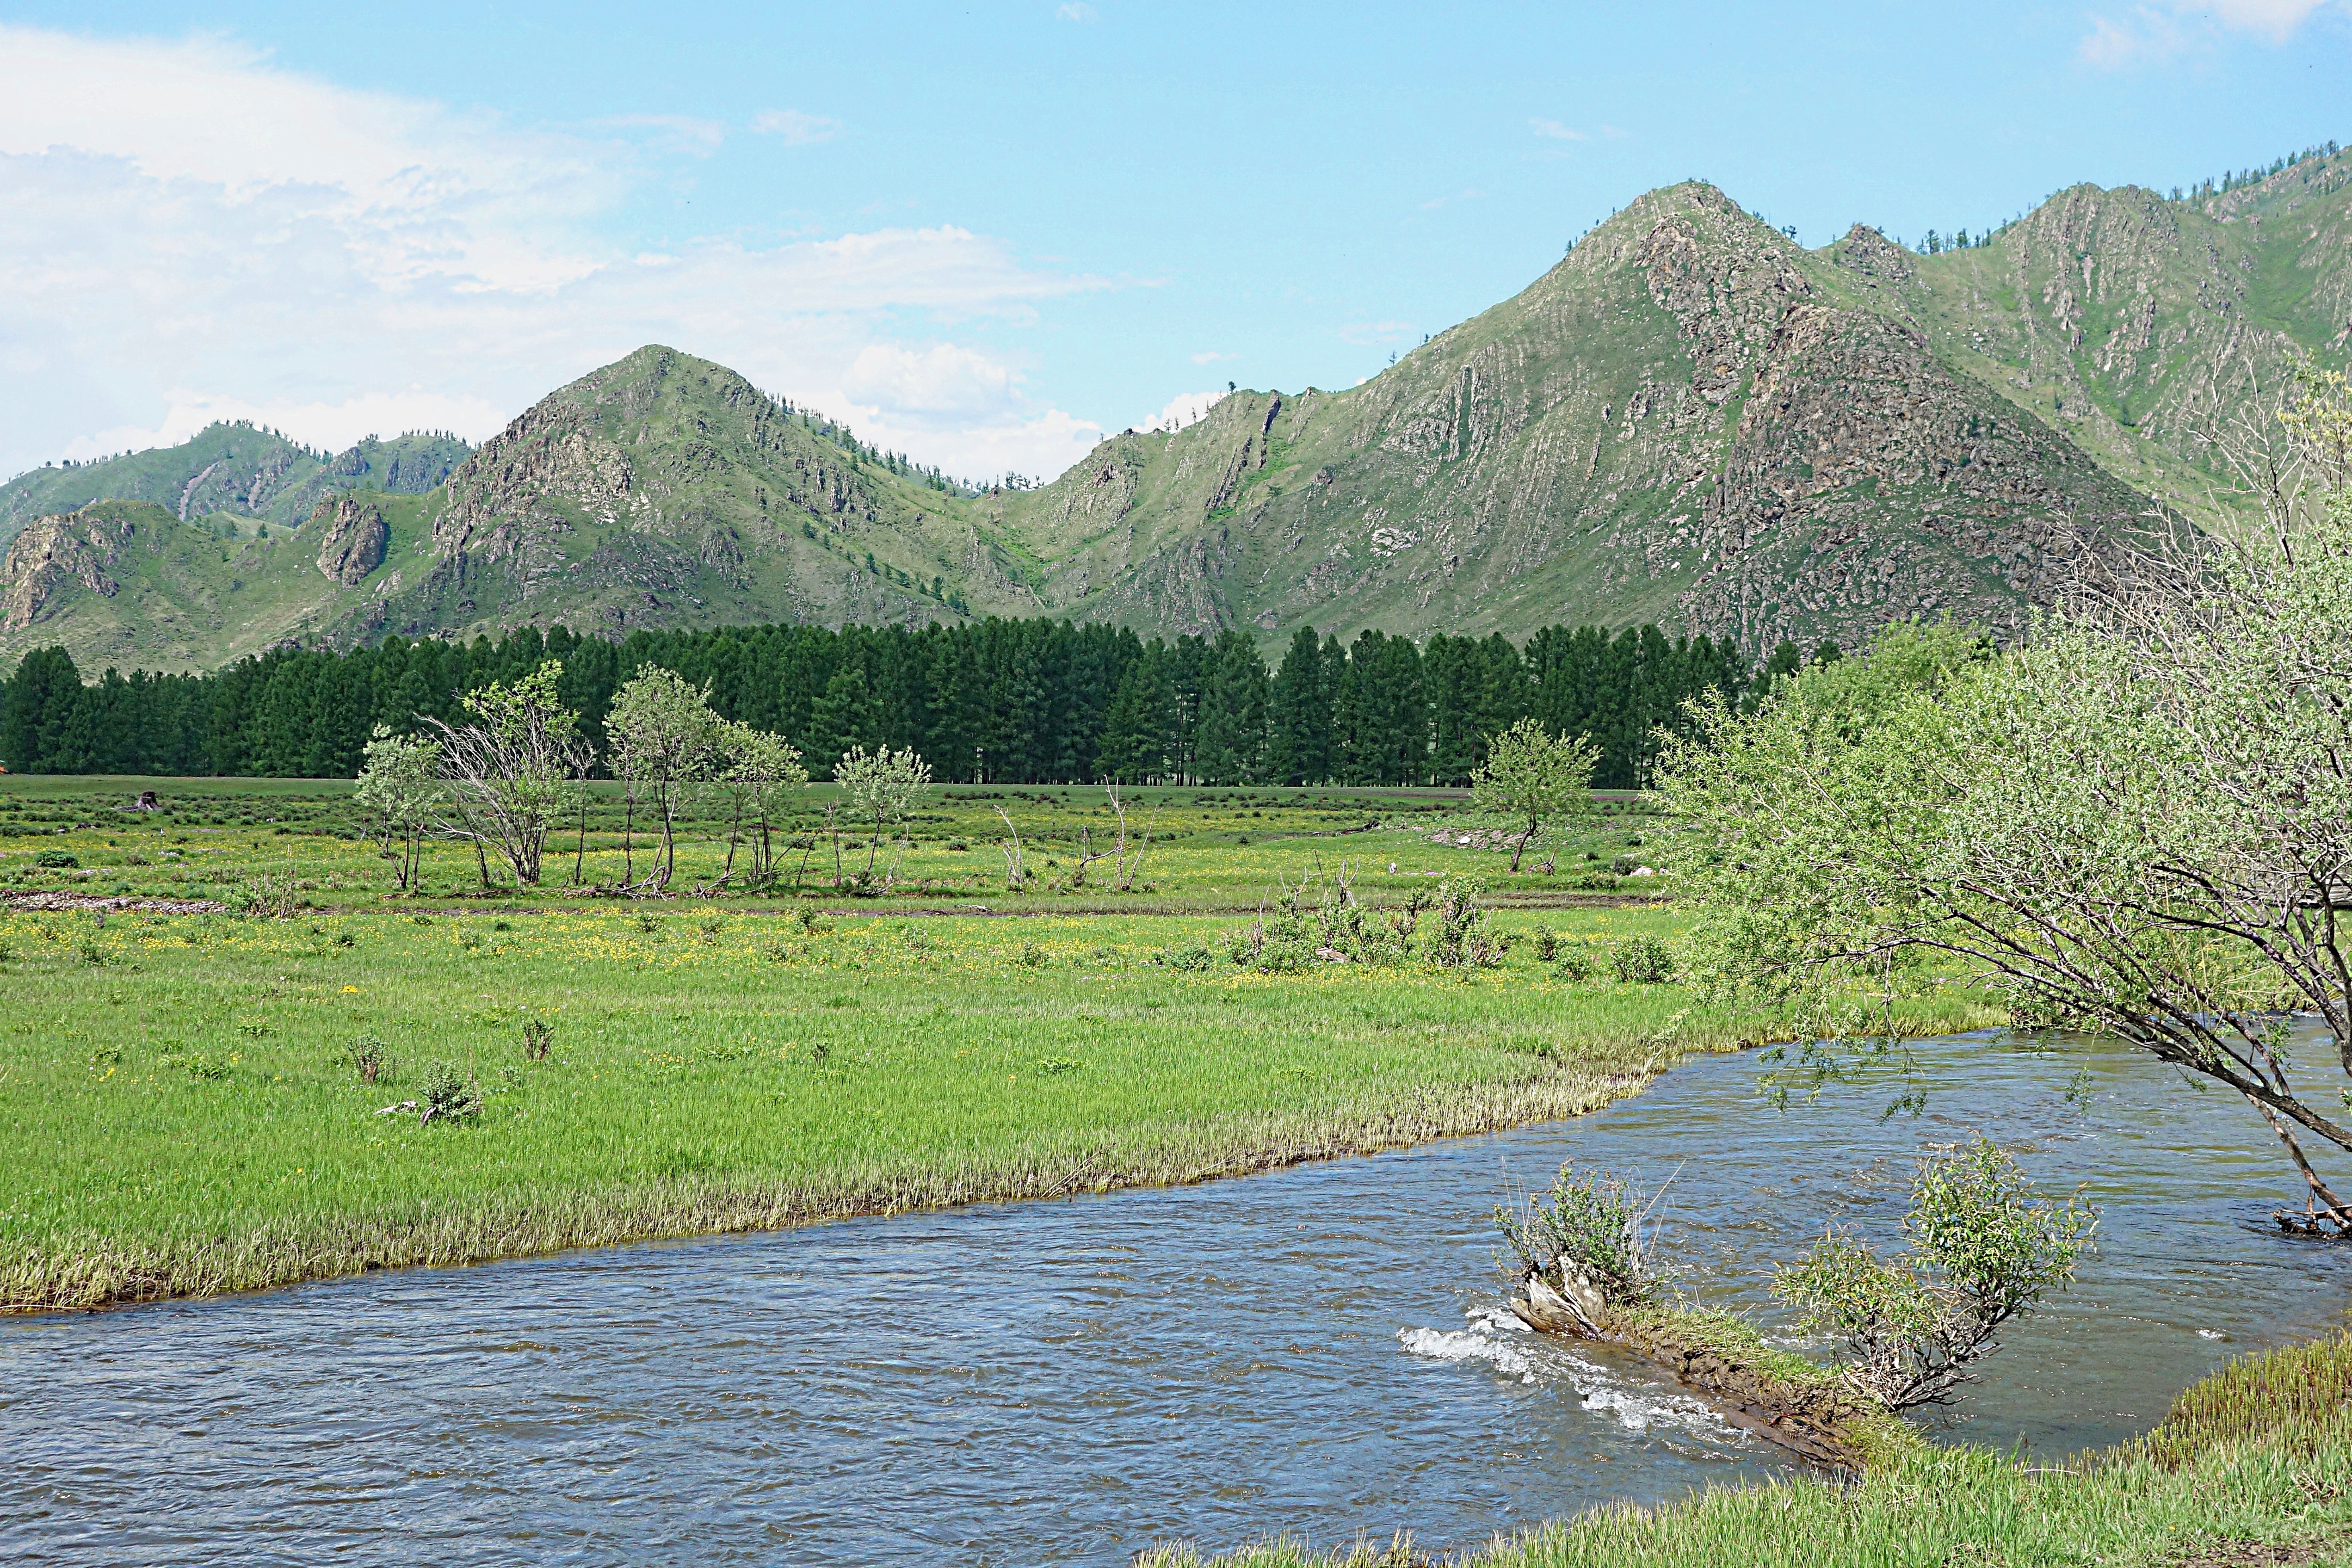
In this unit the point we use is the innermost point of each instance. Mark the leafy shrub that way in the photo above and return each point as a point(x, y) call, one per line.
point(1587, 1227)
point(1031, 956)
point(1643, 961)
point(1190, 960)
point(648, 923)
point(1625, 865)
point(1985, 1248)
point(1575, 963)
point(1593, 881)
point(366, 1056)
point(538, 1039)
point(196, 1065)
point(55, 861)
point(1460, 941)
point(1547, 944)
point(345, 939)
point(448, 1095)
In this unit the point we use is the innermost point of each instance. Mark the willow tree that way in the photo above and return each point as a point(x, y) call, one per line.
point(2138, 822)
point(756, 771)
point(664, 740)
point(880, 787)
point(1531, 776)
point(399, 785)
point(508, 773)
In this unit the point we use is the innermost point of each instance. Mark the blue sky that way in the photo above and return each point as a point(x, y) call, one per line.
point(983, 234)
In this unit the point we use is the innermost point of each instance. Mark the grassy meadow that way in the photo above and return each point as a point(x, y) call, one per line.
point(1207, 849)
point(184, 1109)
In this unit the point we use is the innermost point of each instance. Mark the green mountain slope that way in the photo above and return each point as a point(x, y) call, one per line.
point(1689, 419)
point(2145, 330)
point(133, 585)
point(666, 490)
point(234, 469)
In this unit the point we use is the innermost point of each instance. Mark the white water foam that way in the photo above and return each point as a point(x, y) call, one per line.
point(1530, 1360)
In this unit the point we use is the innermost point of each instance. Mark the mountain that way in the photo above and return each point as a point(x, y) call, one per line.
point(666, 490)
point(234, 470)
point(1690, 419)
point(132, 584)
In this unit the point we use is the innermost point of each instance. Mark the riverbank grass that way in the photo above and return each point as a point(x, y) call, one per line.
point(187, 1108)
point(2254, 1467)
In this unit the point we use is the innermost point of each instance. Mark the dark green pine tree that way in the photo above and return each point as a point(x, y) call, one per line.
point(1230, 746)
point(1135, 730)
point(1298, 716)
point(845, 717)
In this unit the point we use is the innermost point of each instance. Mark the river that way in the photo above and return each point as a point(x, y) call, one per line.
point(1320, 1351)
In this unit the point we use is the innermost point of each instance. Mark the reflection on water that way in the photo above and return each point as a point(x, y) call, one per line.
point(1320, 1351)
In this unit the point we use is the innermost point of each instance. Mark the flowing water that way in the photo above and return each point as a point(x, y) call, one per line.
point(1320, 1351)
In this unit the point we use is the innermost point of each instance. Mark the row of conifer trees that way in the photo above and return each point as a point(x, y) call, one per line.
point(996, 700)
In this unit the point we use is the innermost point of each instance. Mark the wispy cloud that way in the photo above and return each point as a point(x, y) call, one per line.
point(1555, 131)
point(1210, 356)
point(674, 133)
point(1379, 332)
point(2150, 34)
point(1076, 11)
point(796, 129)
point(234, 240)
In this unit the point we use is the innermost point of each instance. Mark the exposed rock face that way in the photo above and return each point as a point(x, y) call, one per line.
point(354, 543)
point(53, 552)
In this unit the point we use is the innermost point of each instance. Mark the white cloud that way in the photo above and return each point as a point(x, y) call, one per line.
point(674, 133)
point(332, 427)
point(1181, 410)
point(215, 238)
point(1076, 11)
point(1377, 332)
point(1210, 356)
point(1554, 130)
point(797, 128)
point(2157, 32)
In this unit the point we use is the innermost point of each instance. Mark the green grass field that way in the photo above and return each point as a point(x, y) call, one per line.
point(180, 1113)
point(1207, 849)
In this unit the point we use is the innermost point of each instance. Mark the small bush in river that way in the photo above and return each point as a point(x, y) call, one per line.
point(1643, 961)
point(1985, 1247)
point(1586, 1230)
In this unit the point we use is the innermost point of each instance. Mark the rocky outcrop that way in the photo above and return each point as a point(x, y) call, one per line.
point(353, 542)
point(54, 552)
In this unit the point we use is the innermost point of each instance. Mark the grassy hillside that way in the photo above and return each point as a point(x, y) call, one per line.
point(1689, 419)
point(2144, 328)
point(234, 469)
point(132, 586)
point(666, 490)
